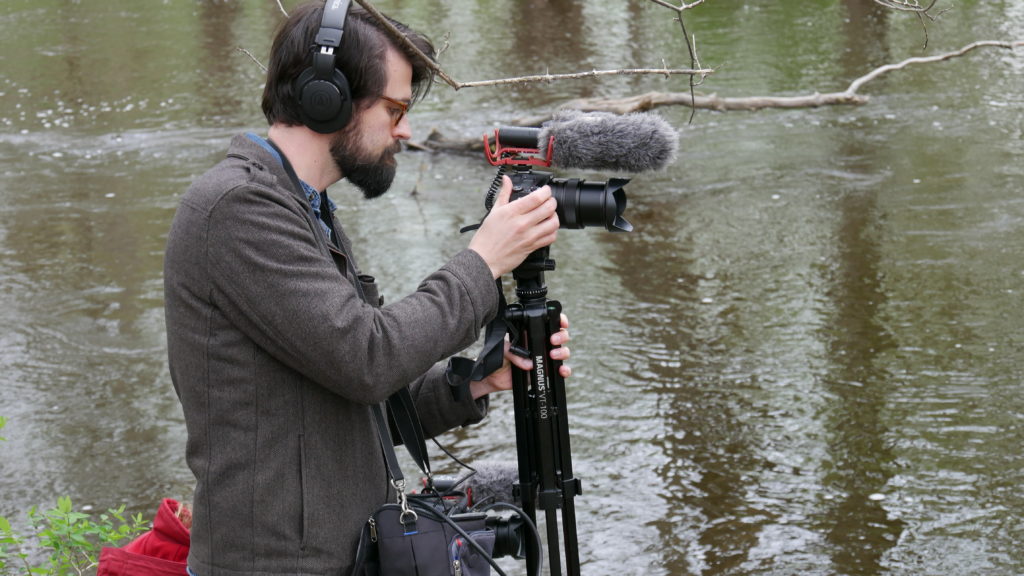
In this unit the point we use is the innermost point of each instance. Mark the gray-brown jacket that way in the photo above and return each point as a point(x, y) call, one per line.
point(275, 359)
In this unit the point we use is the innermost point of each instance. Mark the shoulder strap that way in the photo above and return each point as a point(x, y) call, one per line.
point(403, 413)
point(387, 444)
point(407, 420)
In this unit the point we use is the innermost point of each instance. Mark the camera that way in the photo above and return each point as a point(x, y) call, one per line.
point(580, 203)
point(492, 482)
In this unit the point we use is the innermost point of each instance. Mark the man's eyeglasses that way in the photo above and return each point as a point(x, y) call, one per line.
point(397, 109)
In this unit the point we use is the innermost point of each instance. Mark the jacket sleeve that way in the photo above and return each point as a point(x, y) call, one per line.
point(436, 406)
point(270, 276)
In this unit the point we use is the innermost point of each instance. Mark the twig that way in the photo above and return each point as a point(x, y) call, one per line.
point(915, 7)
point(690, 46)
point(679, 8)
point(906, 5)
point(249, 54)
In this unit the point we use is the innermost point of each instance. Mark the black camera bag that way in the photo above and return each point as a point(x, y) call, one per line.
point(419, 535)
point(434, 544)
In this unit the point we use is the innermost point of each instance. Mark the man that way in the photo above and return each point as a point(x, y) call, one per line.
point(278, 345)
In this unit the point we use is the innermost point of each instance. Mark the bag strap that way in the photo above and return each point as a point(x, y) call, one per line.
point(403, 412)
point(387, 444)
point(407, 420)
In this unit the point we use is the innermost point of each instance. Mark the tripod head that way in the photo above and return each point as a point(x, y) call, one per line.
point(529, 275)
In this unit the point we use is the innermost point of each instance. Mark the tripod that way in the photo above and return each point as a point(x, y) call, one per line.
point(542, 424)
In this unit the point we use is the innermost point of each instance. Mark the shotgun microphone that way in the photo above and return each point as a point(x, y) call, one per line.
point(601, 141)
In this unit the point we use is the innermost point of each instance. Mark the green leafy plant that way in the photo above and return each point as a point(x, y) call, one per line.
point(62, 541)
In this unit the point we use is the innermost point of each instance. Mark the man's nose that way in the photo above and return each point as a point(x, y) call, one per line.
point(402, 130)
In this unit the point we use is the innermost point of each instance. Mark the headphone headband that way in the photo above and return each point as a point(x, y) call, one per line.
point(333, 23)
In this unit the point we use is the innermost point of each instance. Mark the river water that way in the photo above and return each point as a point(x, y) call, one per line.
point(806, 359)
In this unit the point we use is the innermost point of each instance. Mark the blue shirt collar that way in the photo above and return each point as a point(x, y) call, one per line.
point(312, 194)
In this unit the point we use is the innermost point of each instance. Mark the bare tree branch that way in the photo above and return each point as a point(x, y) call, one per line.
point(579, 75)
point(397, 35)
point(856, 84)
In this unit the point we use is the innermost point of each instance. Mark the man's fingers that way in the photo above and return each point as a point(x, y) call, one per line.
point(505, 193)
point(532, 201)
point(520, 362)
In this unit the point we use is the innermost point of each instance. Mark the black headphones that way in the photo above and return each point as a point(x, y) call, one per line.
point(325, 102)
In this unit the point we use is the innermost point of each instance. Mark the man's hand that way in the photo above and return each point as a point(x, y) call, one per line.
point(512, 230)
point(501, 379)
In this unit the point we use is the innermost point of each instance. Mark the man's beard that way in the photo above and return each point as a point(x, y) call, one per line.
point(371, 174)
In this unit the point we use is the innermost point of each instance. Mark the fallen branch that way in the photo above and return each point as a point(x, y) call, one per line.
point(652, 100)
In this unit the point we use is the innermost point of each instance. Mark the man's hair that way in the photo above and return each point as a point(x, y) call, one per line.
point(361, 58)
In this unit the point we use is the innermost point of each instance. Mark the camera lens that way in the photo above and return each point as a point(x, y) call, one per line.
point(508, 536)
point(582, 203)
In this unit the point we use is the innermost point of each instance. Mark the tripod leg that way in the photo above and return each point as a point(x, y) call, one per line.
point(525, 444)
point(570, 486)
point(542, 432)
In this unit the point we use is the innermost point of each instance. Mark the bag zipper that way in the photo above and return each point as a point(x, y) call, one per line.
point(456, 562)
point(373, 529)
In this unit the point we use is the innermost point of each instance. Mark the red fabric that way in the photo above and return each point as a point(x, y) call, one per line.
point(163, 551)
point(120, 562)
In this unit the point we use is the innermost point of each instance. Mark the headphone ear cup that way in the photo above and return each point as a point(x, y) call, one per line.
point(325, 106)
